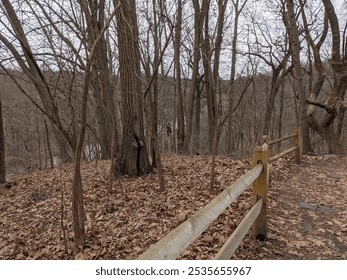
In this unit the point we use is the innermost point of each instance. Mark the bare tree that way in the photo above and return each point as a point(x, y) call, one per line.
point(238, 8)
point(321, 115)
point(103, 91)
point(77, 191)
point(30, 67)
point(133, 159)
point(272, 50)
point(199, 17)
point(178, 79)
point(295, 53)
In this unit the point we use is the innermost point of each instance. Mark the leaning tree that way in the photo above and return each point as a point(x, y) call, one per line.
point(322, 111)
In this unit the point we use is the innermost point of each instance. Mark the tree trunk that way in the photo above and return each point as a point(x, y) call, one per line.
point(31, 69)
point(340, 119)
point(323, 123)
point(133, 158)
point(178, 80)
point(334, 144)
point(211, 72)
point(280, 117)
point(275, 84)
point(295, 52)
point(230, 131)
point(2, 149)
point(101, 74)
point(48, 142)
point(198, 24)
point(196, 136)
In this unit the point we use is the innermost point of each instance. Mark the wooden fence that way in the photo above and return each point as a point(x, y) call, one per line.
point(177, 240)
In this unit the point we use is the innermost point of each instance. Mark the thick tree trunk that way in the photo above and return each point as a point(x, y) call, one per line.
point(323, 124)
point(133, 158)
point(333, 141)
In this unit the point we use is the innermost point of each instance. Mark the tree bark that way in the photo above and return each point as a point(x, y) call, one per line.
point(2, 149)
point(196, 136)
point(275, 85)
point(323, 123)
point(133, 158)
point(198, 27)
point(101, 74)
point(237, 12)
point(295, 53)
point(178, 80)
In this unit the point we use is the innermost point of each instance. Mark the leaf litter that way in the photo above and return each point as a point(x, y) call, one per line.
point(36, 219)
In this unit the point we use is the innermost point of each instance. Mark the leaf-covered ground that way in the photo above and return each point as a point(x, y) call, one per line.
point(307, 211)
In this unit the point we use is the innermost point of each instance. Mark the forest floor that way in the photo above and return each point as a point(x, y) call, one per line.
point(307, 211)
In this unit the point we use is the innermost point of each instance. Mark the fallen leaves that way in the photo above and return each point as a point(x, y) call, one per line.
point(135, 216)
point(307, 211)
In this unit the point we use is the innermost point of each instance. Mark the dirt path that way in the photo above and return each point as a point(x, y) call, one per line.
point(307, 212)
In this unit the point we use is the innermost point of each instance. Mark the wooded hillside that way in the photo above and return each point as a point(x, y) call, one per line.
point(136, 81)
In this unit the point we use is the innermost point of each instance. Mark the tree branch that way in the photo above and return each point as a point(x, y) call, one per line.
point(329, 109)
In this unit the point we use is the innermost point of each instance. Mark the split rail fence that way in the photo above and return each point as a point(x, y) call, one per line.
point(177, 240)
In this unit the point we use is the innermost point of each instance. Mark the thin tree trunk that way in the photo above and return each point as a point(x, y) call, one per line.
point(113, 154)
point(196, 136)
point(30, 67)
point(77, 190)
point(100, 77)
point(276, 82)
point(280, 117)
point(340, 123)
point(295, 52)
point(178, 82)
point(198, 24)
point(2, 149)
point(49, 146)
point(230, 131)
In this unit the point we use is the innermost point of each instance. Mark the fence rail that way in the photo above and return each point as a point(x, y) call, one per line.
point(230, 246)
point(177, 240)
point(297, 145)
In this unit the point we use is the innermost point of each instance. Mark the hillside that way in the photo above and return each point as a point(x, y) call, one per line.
point(307, 214)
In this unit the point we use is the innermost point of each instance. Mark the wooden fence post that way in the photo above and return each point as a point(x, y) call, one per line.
point(297, 143)
point(260, 189)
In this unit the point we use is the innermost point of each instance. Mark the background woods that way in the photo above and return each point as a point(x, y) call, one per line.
point(133, 80)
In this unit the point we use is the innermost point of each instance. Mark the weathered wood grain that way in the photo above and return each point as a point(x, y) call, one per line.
point(177, 240)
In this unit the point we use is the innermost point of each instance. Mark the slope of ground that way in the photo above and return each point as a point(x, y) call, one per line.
point(307, 212)
point(307, 215)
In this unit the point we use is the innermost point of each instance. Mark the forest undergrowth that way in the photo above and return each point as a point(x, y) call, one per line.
point(307, 210)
